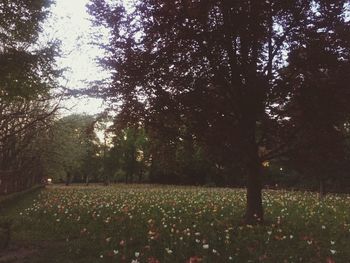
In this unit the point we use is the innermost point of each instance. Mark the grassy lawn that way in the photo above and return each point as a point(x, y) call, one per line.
point(141, 223)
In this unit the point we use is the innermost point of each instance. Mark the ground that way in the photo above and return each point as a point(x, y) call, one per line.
point(144, 223)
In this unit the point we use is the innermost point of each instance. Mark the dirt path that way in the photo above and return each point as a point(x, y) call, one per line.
point(24, 252)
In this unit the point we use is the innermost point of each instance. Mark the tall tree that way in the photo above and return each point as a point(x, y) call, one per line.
point(73, 148)
point(211, 65)
point(24, 128)
point(26, 66)
point(27, 74)
point(316, 87)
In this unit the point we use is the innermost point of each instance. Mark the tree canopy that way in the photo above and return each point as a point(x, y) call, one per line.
point(228, 72)
point(28, 73)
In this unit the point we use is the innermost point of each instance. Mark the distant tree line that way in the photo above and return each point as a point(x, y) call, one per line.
point(84, 149)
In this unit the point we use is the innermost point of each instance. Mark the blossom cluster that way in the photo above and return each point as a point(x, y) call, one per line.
point(143, 223)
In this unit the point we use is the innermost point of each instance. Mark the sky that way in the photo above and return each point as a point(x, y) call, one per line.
point(69, 22)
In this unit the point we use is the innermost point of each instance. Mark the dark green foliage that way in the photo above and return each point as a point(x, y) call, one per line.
point(73, 149)
point(128, 159)
point(23, 140)
point(27, 74)
point(26, 67)
point(21, 20)
point(317, 79)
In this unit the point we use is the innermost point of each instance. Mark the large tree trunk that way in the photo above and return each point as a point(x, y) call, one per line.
point(254, 211)
point(253, 170)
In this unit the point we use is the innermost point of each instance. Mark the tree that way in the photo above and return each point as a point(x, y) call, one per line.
point(315, 85)
point(27, 74)
point(129, 154)
point(26, 66)
point(74, 147)
point(211, 65)
point(23, 127)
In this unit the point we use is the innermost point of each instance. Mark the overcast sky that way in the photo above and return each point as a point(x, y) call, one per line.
point(70, 24)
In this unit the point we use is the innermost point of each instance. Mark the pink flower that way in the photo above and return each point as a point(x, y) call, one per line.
point(152, 260)
point(194, 259)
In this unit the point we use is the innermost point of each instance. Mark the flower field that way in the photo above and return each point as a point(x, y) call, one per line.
point(150, 224)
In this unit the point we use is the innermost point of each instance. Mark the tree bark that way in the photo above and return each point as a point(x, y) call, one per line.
point(254, 211)
point(253, 171)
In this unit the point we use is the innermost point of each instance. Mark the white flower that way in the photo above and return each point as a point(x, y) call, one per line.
point(214, 251)
point(206, 246)
point(115, 252)
point(332, 242)
point(291, 236)
point(137, 254)
point(168, 250)
point(333, 251)
point(323, 227)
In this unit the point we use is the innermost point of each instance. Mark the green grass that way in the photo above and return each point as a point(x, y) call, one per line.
point(9, 200)
point(180, 224)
